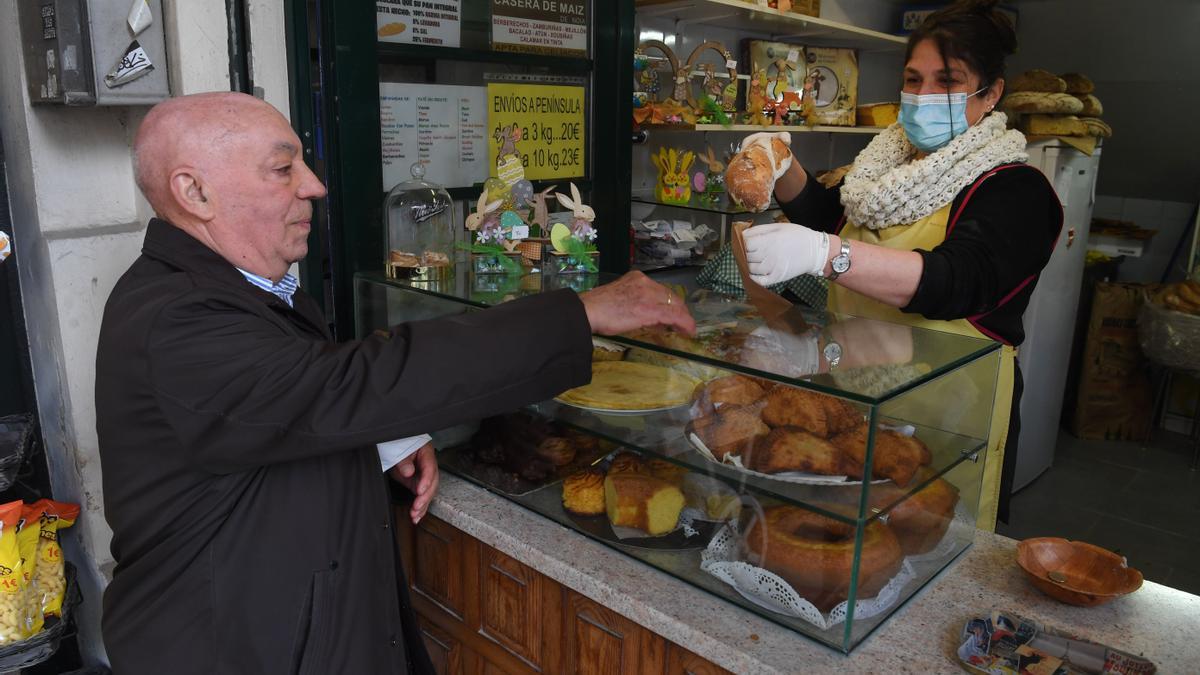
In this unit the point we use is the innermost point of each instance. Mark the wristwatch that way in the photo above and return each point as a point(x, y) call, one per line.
point(840, 262)
point(833, 353)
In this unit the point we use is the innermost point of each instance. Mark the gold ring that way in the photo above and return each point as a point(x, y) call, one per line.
point(670, 298)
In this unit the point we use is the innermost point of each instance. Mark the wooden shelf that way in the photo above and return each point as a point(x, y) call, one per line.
point(743, 128)
point(746, 17)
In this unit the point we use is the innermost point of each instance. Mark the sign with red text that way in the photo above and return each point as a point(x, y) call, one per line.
point(557, 27)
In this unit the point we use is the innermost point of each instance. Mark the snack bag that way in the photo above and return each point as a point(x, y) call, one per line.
point(27, 543)
point(48, 575)
point(12, 584)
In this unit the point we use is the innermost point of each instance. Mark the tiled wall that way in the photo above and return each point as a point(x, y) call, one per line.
point(1171, 219)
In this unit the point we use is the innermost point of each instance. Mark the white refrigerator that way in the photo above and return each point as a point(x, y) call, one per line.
point(1050, 317)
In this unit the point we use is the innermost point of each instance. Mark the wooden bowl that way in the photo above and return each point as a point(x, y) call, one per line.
point(1076, 572)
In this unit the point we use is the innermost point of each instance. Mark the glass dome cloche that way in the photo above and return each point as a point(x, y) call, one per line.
point(420, 230)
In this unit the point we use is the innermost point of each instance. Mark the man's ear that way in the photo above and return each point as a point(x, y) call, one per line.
point(191, 194)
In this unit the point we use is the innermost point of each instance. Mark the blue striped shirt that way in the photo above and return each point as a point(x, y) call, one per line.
point(284, 290)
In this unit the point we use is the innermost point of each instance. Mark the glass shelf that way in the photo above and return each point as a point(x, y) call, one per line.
point(751, 128)
point(743, 16)
point(731, 336)
point(723, 205)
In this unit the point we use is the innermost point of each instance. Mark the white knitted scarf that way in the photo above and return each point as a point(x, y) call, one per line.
point(885, 188)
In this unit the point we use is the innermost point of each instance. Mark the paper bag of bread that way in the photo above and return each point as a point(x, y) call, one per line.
point(13, 619)
point(48, 573)
point(751, 174)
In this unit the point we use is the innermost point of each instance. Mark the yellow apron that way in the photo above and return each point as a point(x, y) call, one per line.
point(927, 233)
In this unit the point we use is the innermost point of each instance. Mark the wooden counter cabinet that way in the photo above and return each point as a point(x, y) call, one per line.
point(481, 612)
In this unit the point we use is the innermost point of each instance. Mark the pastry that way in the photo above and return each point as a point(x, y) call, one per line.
point(731, 430)
point(793, 449)
point(403, 259)
point(625, 385)
point(1097, 127)
point(731, 389)
point(751, 174)
point(556, 450)
point(877, 114)
point(1053, 125)
point(604, 350)
point(1038, 102)
point(1091, 105)
point(1077, 83)
point(919, 521)
point(896, 456)
point(583, 493)
point(644, 502)
point(815, 554)
point(1038, 80)
point(627, 462)
point(668, 471)
point(816, 413)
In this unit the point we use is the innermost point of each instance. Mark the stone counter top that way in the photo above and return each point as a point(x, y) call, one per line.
point(921, 637)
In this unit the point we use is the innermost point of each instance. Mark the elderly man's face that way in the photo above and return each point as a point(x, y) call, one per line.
point(263, 188)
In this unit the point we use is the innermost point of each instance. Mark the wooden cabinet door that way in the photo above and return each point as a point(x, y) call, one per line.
point(448, 655)
point(598, 641)
point(682, 662)
point(519, 610)
point(440, 565)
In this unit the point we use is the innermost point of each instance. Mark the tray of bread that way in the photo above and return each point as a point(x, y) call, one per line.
point(518, 453)
point(633, 501)
point(795, 435)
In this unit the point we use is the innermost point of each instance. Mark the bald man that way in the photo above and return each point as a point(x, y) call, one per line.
point(250, 515)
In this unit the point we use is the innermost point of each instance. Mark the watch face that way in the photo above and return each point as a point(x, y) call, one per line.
point(833, 352)
point(841, 264)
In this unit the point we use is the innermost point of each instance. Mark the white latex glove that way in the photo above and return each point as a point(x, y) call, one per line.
point(763, 138)
point(776, 252)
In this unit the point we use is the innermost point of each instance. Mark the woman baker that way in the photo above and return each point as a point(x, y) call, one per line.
point(938, 223)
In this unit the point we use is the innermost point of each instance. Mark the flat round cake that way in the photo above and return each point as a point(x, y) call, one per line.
point(626, 385)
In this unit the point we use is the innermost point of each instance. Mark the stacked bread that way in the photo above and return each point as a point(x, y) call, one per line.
point(1044, 104)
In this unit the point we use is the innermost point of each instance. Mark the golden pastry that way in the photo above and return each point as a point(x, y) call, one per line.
point(817, 414)
point(583, 493)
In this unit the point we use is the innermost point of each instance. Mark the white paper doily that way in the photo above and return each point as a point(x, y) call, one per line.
point(767, 590)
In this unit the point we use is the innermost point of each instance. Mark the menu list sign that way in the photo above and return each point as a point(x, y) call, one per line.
point(443, 127)
point(557, 27)
point(419, 22)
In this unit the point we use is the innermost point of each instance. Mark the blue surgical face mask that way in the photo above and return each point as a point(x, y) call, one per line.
point(933, 120)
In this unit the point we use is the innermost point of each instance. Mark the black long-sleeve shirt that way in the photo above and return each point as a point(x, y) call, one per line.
point(988, 265)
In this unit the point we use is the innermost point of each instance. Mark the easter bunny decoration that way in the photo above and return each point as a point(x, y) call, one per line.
point(714, 181)
point(581, 226)
point(673, 186)
point(485, 221)
point(541, 214)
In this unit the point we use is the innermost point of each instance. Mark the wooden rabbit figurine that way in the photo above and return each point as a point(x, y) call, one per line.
point(485, 221)
point(541, 214)
point(714, 183)
point(673, 185)
point(581, 225)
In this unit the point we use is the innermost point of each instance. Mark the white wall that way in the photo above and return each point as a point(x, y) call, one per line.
point(78, 221)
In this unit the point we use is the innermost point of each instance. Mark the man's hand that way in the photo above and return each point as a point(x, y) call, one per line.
point(634, 301)
point(419, 473)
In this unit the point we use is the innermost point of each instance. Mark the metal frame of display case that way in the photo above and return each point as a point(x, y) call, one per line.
point(334, 60)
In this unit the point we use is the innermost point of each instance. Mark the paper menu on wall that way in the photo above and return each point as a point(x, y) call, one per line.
point(444, 127)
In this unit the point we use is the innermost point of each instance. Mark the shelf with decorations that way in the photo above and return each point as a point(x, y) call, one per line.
point(751, 128)
point(748, 17)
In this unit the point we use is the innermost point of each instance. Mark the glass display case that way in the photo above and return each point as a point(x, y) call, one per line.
point(420, 230)
point(817, 472)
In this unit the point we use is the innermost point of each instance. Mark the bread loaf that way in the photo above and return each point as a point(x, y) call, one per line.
point(1091, 105)
point(750, 178)
point(1097, 127)
point(1038, 102)
point(1078, 83)
point(1038, 80)
point(877, 114)
point(647, 503)
point(1053, 125)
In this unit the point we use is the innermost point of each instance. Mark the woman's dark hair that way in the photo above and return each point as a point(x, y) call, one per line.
point(972, 31)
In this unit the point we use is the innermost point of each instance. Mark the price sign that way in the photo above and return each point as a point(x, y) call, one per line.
point(542, 125)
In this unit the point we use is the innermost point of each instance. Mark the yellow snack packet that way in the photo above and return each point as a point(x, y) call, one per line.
point(28, 536)
point(13, 624)
point(48, 574)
